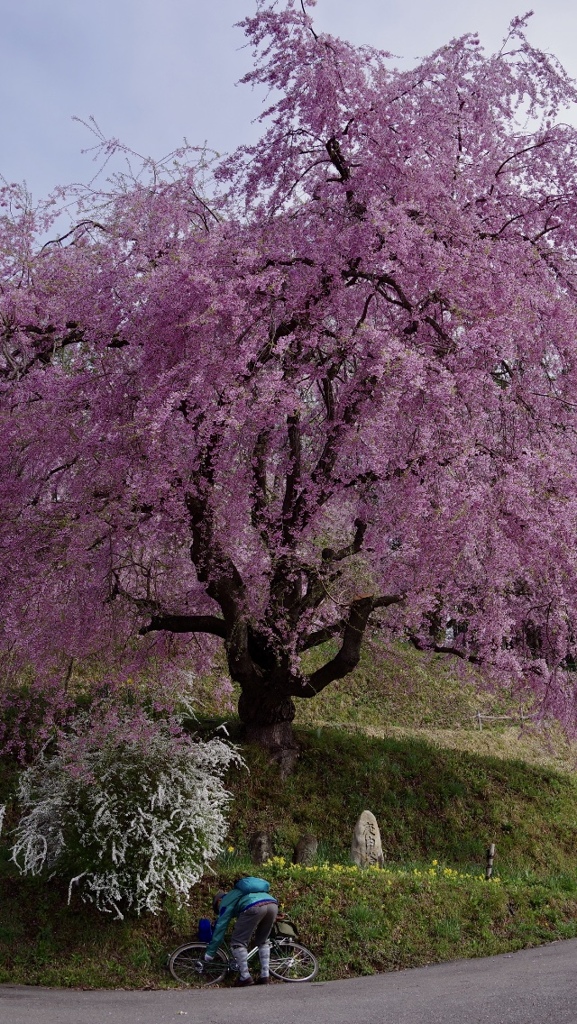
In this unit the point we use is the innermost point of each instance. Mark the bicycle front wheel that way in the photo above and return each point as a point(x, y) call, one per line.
point(187, 965)
point(290, 961)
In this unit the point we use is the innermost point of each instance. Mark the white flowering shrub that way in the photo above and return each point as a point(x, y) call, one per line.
point(128, 809)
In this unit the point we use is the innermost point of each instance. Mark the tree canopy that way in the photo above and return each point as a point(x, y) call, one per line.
point(329, 377)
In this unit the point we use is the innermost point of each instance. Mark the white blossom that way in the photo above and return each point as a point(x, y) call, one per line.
point(128, 810)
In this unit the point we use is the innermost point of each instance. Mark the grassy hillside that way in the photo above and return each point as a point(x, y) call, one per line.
point(356, 923)
point(397, 685)
point(430, 802)
point(441, 791)
point(392, 685)
point(398, 692)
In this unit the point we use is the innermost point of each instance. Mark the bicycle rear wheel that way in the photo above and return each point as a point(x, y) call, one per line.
point(187, 965)
point(290, 961)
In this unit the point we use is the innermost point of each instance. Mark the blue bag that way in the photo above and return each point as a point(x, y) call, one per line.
point(204, 929)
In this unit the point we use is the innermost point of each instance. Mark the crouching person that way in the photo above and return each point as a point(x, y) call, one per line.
point(255, 910)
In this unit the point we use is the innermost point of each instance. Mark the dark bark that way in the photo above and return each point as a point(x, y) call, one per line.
point(267, 681)
point(258, 652)
point(267, 719)
point(186, 624)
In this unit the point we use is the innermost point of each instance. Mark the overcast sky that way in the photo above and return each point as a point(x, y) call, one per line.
point(152, 72)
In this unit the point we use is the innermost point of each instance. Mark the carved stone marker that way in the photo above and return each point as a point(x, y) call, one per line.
point(366, 847)
point(306, 849)
point(260, 847)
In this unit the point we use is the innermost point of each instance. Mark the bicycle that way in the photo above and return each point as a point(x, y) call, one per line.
point(289, 961)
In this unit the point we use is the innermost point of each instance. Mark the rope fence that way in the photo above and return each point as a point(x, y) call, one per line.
point(521, 717)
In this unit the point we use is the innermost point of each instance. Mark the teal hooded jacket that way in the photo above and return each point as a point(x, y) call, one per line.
point(246, 892)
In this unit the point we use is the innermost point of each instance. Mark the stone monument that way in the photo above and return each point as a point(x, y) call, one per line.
point(306, 849)
point(366, 847)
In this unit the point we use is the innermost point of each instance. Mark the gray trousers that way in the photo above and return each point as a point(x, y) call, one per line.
point(257, 919)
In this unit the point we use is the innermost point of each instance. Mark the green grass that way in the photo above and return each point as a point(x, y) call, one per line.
point(356, 923)
point(441, 791)
point(395, 685)
point(397, 691)
point(429, 802)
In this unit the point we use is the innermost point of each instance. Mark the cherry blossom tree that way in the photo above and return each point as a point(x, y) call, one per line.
point(327, 380)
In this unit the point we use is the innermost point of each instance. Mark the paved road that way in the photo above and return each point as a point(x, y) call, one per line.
point(537, 986)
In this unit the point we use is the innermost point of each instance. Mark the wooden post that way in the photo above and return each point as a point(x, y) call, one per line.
point(490, 859)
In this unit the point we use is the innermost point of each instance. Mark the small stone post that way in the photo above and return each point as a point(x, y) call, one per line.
point(260, 847)
point(306, 849)
point(490, 859)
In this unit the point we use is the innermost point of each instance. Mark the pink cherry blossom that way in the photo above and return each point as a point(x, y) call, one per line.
point(327, 381)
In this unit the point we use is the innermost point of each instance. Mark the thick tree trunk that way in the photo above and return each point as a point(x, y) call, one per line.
point(267, 718)
point(257, 657)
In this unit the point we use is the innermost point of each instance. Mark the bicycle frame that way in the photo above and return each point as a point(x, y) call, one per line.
point(251, 953)
point(289, 961)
